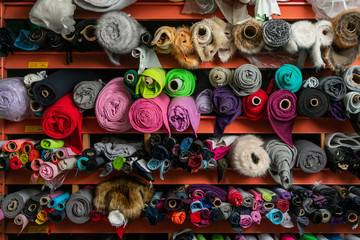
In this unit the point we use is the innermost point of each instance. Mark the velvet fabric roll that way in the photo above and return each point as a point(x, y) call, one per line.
point(163, 39)
point(312, 103)
point(112, 107)
point(337, 110)
point(289, 77)
point(254, 105)
point(149, 115)
point(283, 205)
point(281, 110)
point(204, 103)
point(182, 113)
point(85, 94)
point(13, 203)
point(79, 205)
point(247, 80)
point(151, 82)
point(248, 37)
point(220, 76)
point(333, 86)
point(103, 6)
point(179, 83)
point(276, 33)
point(63, 120)
point(227, 107)
point(234, 197)
point(245, 221)
point(310, 158)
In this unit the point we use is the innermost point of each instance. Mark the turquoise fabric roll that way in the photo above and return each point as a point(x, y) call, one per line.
point(289, 77)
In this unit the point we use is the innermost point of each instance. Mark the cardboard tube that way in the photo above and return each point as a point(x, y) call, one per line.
point(285, 104)
point(256, 101)
point(314, 102)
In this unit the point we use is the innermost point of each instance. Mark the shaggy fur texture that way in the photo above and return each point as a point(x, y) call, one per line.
point(248, 37)
point(248, 156)
point(228, 49)
point(128, 195)
point(324, 38)
point(163, 39)
point(302, 36)
point(339, 59)
point(183, 48)
point(347, 28)
point(208, 38)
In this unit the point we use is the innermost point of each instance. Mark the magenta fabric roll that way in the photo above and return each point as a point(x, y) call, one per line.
point(149, 115)
point(286, 237)
point(245, 221)
point(281, 110)
point(256, 217)
point(182, 113)
point(112, 106)
point(2, 216)
point(49, 170)
point(257, 196)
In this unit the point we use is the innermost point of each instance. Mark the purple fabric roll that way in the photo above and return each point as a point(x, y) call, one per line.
point(204, 103)
point(256, 217)
point(319, 201)
point(337, 110)
point(281, 110)
point(227, 107)
point(205, 217)
point(245, 221)
point(338, 220)
point(219, 192)
point(282, 193)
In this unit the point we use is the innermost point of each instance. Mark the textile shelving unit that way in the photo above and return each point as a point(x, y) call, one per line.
point(161, 10)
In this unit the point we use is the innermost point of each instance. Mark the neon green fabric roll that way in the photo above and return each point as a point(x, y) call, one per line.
point(52, 143)
point(289, 77)
point(217, 237)
point(180, 83)
point(199, 236)
point(308, 236)
point(266, 194)
point(118, 162)
point(152, 89)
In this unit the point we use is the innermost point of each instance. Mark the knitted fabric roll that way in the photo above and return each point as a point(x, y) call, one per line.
point(289, 77)
point(151, 82)
point(276, 33)
point(179, 83)
point(352, 102)
point(204, 103)
point(182, 113)
point(227, 107)
point(281, 110)
point(112, 107)
point(103, 5)
point(14, 101)
point(324, 37)
point(248, 37)
point(85, 94)
point(13, 203)
point(352, 78)
point(220, 76)
point(149, 115)
point(333, 86)
point(312, 103)
point(163, 39)
point(311, 158)
point(247, 80)
point(79, 205)
point(254, 105)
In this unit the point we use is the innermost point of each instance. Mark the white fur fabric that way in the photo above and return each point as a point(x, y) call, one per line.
point(56, 15)
point(324, 38)
point(116, 219)
point(103, 5)
point(248, 156)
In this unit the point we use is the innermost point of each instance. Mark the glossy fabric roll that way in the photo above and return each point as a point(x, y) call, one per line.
point(352, 78)
point(337, 110)
point(247, 80)
point(149, 115)
point(182, 113)
point(310, 158)
point(179, 83)
point(312, 103)
point(248, 37)
point(281, 110)
point(151, 82)
point(79, 205)
point(49, 171)
point(13, 203)
point(103, 6)
point(227, 107)
point(333, 86)
point(64, 121)
point(276, 33)
point(85, 94)
point(254, 105)
point(112, 107)
point(289, 77)
point(220, 76)
point(204, 103)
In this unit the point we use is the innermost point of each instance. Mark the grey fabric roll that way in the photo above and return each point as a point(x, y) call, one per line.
point(311, 82)
point(226, 209)
point(85, 94)
point(309, 206)
point(79, 205)
point(352, 102)
point(103, 5)
point(13, 203)
point(333, 86)
point(220, 76)
point(326, 215)
point(352, 78)
point(67, 163)
point(283, 159)
point(248, 199)
point(335, 140)
point(310, 158)
point(276, 33)
point(247, 80)
point(108, 168)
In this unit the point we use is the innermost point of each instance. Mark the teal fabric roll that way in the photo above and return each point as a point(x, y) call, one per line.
point(289, 77)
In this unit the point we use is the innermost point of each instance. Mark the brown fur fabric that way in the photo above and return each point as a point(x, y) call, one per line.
point(227, 50)
point(163, 39)
point(183, 48)
point(248, 37)
point(339, 59)
point(346, 26)
point(127, 194)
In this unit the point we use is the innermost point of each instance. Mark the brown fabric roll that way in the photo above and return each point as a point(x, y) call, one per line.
point(248, 37)
point(183, 48)
point(228, 49)
point(347, 28)
point(163, 39)
point(343, 192)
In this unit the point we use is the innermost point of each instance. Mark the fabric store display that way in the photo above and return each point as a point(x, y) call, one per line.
point(333, 86)
point(85, 94)
point(13, 203)
point(247, 80)
point(79, 205)
point(248, 37)
point(179, 83)
point(228, 49)
point(312, 103)
point(351, 77)
point(324, 37)
point(276, 33)
point(289, 77)
point(103, 6)
point(310, 158)
point(220, 76)
point(281, 111)
point(151, 82)
point(254, 105)
point(204, 103)
point(112, 107)
point(163, 39)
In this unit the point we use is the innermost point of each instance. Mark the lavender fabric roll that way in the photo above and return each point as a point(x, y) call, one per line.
point(310, 158)
point(227, 107)
point(204, 103)
point(337, 110)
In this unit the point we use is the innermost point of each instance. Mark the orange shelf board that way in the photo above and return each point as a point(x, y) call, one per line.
point(163, 11)
point(181, 176)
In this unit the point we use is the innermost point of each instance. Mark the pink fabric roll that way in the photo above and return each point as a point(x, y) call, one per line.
point(149, 115)
point(286, 237)
point(112, 106)
point(49, 170)
point(36, 164)
point(256, 217)
point(21, 220)
point(2, 216)
point(56, 194)
point(245, 221)
point(257, 196)
point(64, 152)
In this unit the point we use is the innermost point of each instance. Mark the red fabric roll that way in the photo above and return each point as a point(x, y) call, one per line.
point(15, 163)
point(234, 197)
point(283, 205)
point(254, 105)
point(195, 162)
point(33, 154)
point(63, 121)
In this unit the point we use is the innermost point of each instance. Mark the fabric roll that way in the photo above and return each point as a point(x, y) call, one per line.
point(200, 7)
point(309, 206)
point(333, 86)
point(343, 192)
point(49, 170)
point(355, 190)
point(108, 168)
point(227, 107)
point(52, 143)
point(324, 38)
point(234, 220)
point(276, 33)
point(79, 205)
point(21, 220)
point(335, 140)
point(13, 203)
point(328, 192)
point(248, 37)
point(351, 78)
point(54, 40)
point(63, 120)
point(245, 221)
point(218, 191)
point(36, 164)
point(15, 163)
point(215, 214)
point(149, 115)
point(281, 110)
point(85, 94)
point(267, 194)
point(310, 158)
point(163, 39)
point(172, 203)
point(151, 82)
point(275, 216)
point(112, 147)
point(352, 102)
point(312, 103)
point(22, 41)
point(27, 146)
point(346, 29)
point(220, 76)
point(247, 80)
point(38, 36)
point(14, 145)
point(67, 163)
point(182, 113)
point(95, 163)
point(32, 206)
point(352, 217)
point(256, 217)
point(228, 49)
point(248, 199)
point(254, 105)
point(64, 152)
point(287, 223)
point(337, 110)
point(204, 103)
point(283, 205)
point(311, 82)
point(112, 107)
point(147, 57)
point(58, 203)
point(57, 216)
point(131, 79)
point(326, 215)
point(179, 83)
point(289, 77)
point(103, 6)
point(234, 197)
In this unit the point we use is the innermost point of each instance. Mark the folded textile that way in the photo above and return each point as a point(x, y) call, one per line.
point(112, 107)
point(310, 158)
point(220, 76)
point(351, 78)
point(179, 83)
point(289, 77)
point(248, 37)
point(247, 80)
point(79, 205)
point(163, 39)
point(312, 103)
point(276, 33)
point(85, 94)
point(151, 82)
point(13, 203)
point(104, 5)
point(337, 110)
point(254, 105)
point(248, 199)
point(204, 103)
point(333, 86)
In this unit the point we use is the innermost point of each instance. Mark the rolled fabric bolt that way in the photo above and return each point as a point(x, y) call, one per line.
point(333, 86)
point(79, 205)
point(257, 197)
point(289, 77)
point(247, 80)
point(131, 79)
point(276, 33)
point(283, 205)
point(81, 163)
point(352, 78)
point(46, 154)
point(27, 146)
point(234, 220)
point(310, 158)
point(179, 83)
point(95, 163)
point(268, 206)
point(352, 102)
point(64, 152)
point(15, 163)
point(31, 78)
point(13, 203)
point(163, 39)
point(58, 201)
point(36, 164)
point(311, 82)
point(312, 103)
point(24, 158)
point(309, 206)
point(156, 199)
point(21, 220)
point(245, 221)
point(172, 203)
point(85, 94)
point(52, 143)
point(33, 154)
point(45, 199)
point(49, 171)
point(286, 222)
point(256, 217)
point(248, 37)
point(164, 166)
point(215, 214)
point(54, 159)
point(147, 56)
point(14, 145)
point(108, 168)
point(275, 216)
point(57, 216)
point(352, 217)
point(254, 105)
point(220, 76)
point(248, 199)
point(151, 82)
point(267, 194)
point(204, 103)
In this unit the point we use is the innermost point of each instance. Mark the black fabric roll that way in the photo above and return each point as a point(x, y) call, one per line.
point(160, 152)
point(339, 158)
point(54, 40)
point(215, 214)
point(196, 146)
point(84, 35)
point(299, 191)
point(335, 209)
point(140, 154)
point(328, 192)
point(168, 142)
point(184, 157)
point(202, 82)
point(146, 39)
point(7, 40)
point(95, 163)
point(298, 211)
point(312, 103)
point(58, 84)
point(355, 190)
point(57, 216)
point(32, 206)
point(351, 217)
point(355, 121)
point(315, 217)
point(38, 36)
point(89, 153)
point(309, 206)
point(206, 154)
point(155, 139)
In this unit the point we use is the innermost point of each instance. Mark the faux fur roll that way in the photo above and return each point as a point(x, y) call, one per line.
point(183, 48)
point(163, 39)
point(347, 28)
point(324, 35)
point(208, 37)
point(248, 156)
point(228, 49)
point(248, 37)
point(276, 33)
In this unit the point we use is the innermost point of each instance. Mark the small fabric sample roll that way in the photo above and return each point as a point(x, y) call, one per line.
point(149, 115)
point(312, 103)
point(151, 82)
point(333, 86)
point(182, 113)
point(247, 80)
point(324, 37)
point(281, 110)
point(103, 6)
point(112, 107)
point(79, 205)
point(179, 83)
point(352, 102)
point(352, 78)
point(276, 33)
point(289, 77)
point(21, 220)
point(85, 94)
point(248, 37)
point(248, 157)
point(220, 76)
point(310, 158)
point(254, 105)
point(13, 203)
point(227, 107)
point(49, 170)
point(163, 39)
point(204, 103)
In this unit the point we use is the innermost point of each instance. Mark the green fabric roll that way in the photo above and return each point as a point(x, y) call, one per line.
point(217, 237)
point(199, 236)
point(289, 77)
point(266, 194)
point(52, 143)
point(308, 236)
point(131, 85)
point(153, 89)
point(220, 76)
point(119, 162)
point(180, 83)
